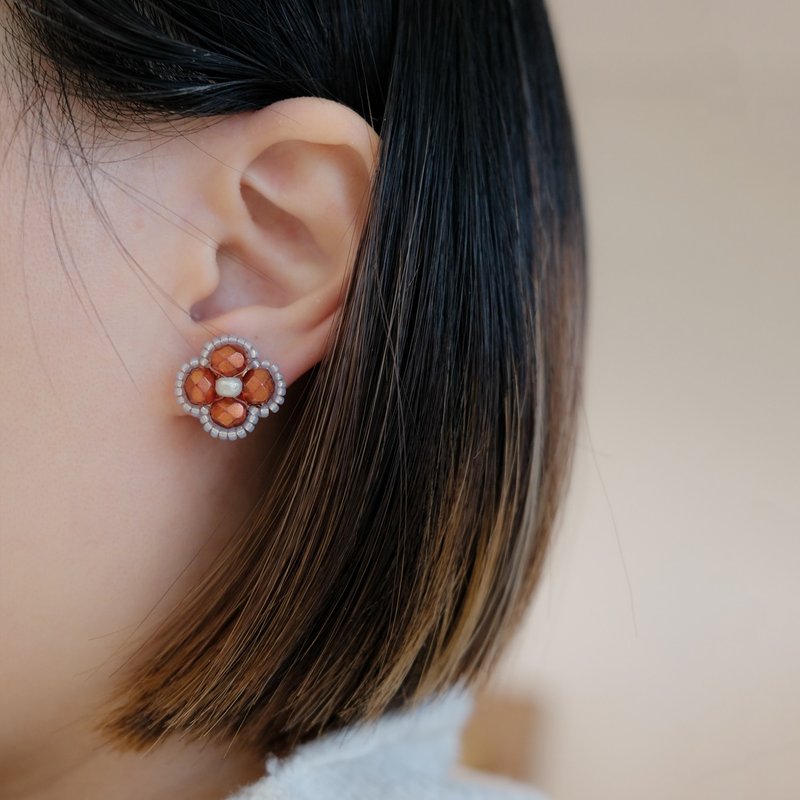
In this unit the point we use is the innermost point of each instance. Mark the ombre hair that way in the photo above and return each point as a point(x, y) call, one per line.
point(406, 523)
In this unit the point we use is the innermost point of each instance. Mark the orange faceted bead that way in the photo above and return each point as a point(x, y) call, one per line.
point(228, 360)
point(257, 386)
point(199, 386)
point(228, 412)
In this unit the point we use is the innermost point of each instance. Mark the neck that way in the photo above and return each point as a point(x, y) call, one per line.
point(81, 767)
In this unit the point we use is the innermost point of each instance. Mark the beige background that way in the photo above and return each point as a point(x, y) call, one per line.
point(662, 657)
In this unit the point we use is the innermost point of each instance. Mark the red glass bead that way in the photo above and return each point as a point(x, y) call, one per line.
point(257, 386)
point(199, 386)
point(228, 412)
point(228, 360)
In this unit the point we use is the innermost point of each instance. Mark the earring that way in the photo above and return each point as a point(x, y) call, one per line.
point(228, 389)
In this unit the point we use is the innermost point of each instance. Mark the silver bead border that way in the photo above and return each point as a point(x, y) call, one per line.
point(254, 413)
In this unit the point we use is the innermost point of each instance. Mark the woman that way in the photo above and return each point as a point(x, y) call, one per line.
point(381, 199)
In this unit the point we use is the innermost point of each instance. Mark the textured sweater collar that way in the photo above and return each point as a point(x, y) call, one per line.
point(418, 743)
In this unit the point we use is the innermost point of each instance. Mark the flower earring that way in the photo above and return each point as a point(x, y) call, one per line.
point(228, 389)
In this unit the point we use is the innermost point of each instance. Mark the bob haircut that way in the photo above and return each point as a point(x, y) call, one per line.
point(410, 511)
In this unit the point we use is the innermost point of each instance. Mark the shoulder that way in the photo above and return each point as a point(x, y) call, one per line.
point(472, 785)
point(393, 784)
point(408, 755)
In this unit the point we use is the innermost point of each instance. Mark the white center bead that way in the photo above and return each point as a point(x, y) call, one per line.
point(229, 387)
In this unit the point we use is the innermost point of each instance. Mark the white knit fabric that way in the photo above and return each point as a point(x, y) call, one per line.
point(408, 755)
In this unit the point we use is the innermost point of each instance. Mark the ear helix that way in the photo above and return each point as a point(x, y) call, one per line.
point(228, 389)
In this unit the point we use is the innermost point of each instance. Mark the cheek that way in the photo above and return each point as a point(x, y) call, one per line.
point(82, 561)
point(105, 498)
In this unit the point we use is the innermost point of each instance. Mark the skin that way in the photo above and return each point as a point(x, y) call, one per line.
point(112, 502)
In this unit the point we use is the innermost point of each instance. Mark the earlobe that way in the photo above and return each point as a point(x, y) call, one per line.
point(287, 195)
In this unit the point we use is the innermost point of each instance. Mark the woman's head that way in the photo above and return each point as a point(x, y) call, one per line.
point(381, 196)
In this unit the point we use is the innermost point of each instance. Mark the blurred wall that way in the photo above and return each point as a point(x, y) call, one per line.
point(661, 659)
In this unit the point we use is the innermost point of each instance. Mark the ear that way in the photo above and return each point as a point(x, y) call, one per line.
point(283, 193)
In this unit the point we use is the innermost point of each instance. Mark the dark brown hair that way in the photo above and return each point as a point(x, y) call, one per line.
point(406, 525)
